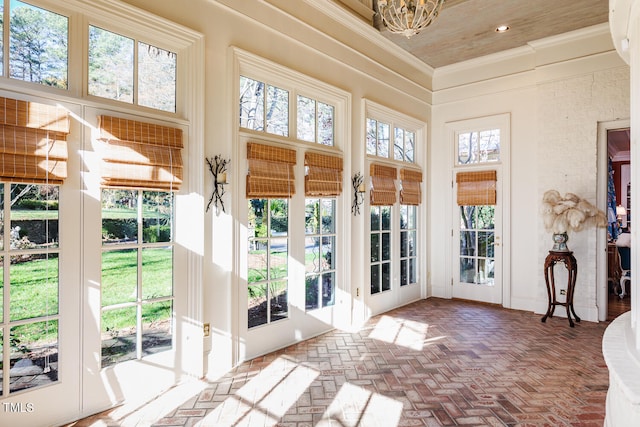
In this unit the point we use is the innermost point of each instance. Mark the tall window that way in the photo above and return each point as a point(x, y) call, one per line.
point(408, 244)
point(33, 150)
point(29, 286)
point(38, 45)
point(137, 273)
point(290, 111)
point(123, 69)
point(267, 264)
point(380, 249)
point(320, 253)
point(391, 139)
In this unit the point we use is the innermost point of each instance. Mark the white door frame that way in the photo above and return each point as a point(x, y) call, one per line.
point(602, 294)
point(503, 122)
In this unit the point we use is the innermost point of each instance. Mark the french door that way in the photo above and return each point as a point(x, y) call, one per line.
point(477, 253)
point(480, 176)
point(39, 271)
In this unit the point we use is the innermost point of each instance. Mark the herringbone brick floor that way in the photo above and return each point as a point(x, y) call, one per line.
point(432, 363)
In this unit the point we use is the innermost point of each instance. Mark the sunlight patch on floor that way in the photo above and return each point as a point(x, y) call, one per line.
point(355, 406)
point(266, 398)
point(407, 333)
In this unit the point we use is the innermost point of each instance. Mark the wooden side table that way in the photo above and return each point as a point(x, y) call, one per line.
point(569, 261)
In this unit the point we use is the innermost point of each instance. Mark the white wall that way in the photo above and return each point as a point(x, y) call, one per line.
point(313, 54)
point(554, 107)
point(569, 111)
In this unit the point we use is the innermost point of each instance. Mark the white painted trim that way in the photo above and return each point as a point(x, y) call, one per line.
point(375, 70)
point(401, 295)
point(591, 42)
point(602, 294)
point(252, 66)
point(503, 122)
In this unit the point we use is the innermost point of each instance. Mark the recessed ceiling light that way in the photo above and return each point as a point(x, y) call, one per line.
point(502, 28)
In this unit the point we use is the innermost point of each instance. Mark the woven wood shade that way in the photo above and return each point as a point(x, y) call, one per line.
point(270, 172)
point(324, 176)
point(476, 188)
point(33, 142)
point(140, 155)
point(411, 194)
point(383, 189)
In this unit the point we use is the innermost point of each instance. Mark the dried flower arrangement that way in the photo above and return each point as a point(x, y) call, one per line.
point(569, 213)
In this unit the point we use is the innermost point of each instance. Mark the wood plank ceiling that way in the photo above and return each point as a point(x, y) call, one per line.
point(465, 29)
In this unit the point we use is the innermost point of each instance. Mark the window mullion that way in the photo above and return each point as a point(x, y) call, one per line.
point(136, 62)
point(6, 349)
point(139, 280)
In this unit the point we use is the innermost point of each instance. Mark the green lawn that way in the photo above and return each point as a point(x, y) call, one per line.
point(31, 214)
point(34, 291)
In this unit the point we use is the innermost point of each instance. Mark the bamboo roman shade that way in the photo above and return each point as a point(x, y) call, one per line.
point(476, 188)
point(140, 155)
point(324, 176)
point(410, 193)
point(34, 142)
point(383, 189)
point(270, 172)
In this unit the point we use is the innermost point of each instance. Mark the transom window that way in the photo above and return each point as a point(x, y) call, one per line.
point(315, 121)
point(38, 44)
point(119, 67)
point(265, 108)
point(126, 70)
point(379, 141)
point(477, 147)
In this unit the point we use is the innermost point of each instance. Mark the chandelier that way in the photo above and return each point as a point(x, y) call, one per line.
point(408, 17)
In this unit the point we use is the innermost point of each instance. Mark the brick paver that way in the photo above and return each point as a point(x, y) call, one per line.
point(432, 363)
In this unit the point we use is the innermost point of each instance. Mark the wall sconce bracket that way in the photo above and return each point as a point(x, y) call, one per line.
point(218, 168)
point(357, 183)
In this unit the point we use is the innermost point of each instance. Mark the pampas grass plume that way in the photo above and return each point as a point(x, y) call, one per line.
point(561, 214)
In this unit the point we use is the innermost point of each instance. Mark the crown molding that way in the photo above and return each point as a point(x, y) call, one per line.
point(573, 45)
point(369, 32)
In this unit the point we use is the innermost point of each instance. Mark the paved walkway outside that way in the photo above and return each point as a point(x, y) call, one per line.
point(432, 363)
